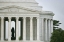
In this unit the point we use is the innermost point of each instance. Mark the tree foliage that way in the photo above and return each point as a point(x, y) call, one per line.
point(58, 33)
point(56, 24)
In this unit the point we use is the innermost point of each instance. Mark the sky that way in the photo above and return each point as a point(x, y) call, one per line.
point(56, 6)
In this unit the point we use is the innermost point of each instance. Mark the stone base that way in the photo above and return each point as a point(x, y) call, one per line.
point(21, 41)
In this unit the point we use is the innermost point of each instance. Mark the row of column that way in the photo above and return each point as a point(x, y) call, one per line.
point(48, 26)
point(17, 28)
point(31, 28)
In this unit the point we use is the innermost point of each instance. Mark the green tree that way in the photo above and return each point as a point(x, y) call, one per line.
point(57, 35)
point(56, 24)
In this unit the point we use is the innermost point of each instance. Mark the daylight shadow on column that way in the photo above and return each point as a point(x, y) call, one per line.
point(21, 28)
point(5, 19)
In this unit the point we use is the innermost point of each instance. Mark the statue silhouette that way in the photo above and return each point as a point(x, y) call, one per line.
point(12, 30)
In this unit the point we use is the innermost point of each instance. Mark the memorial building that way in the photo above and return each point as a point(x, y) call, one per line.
point(36, 25)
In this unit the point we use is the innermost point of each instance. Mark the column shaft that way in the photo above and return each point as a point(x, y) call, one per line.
point(51, 26)
point(9, 29)
point(31, 28)
point(24, 28)
point(38, 29)
point(17, 28)
point(45, 29)
point(49, 30)
point(2, 28)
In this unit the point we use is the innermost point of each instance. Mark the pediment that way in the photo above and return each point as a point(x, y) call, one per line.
point(16, 9)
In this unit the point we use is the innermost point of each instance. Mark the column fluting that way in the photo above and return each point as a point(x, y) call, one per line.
point(2, 28)
point(49, 34)
point(17, 28)
point(38, 29)
point(51, 25)
point(24, 28)
point(45, 29)
point(31, 28)
point(9, 28)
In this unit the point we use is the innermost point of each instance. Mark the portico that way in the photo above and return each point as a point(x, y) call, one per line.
point(44, 21)
point(35, 25)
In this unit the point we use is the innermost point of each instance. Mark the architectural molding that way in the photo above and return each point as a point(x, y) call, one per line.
point(18, 9)
point(19, 2)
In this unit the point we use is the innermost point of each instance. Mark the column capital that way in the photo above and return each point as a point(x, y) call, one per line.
point(17, 17)
point(24, 17)
point(37, 17)
point(45, 18)
point(52, 19)
point(9, 17)
point(2, 17)
point(31, 17)
point(49, 19)
point(42, 18)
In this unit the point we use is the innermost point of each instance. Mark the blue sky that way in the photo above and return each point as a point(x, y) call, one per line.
point(56, 6)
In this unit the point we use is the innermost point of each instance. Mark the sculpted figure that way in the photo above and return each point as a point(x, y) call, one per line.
point(12, 30)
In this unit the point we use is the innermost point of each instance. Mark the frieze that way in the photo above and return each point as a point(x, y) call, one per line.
point(16, 9)
point(13, 10)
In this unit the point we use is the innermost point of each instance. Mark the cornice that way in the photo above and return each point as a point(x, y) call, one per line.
point(19, 13)
point(47, 13)
point(20, 2)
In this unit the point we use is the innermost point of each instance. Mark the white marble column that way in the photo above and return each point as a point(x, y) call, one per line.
point(38, 38)
point(49, 30)
point(9, 28)
point(17, 28)
point(45, 29)
point(51, 25)
point(31, 28)
point(24, 28)
point(2, 28)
